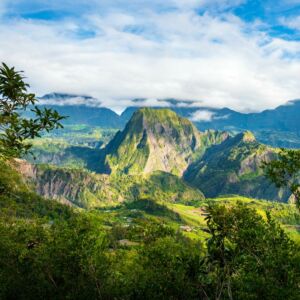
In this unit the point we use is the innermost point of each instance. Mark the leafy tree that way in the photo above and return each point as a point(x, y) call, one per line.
point(285, 170)
point(15, 130)
point(60, 260)
point(249, 257)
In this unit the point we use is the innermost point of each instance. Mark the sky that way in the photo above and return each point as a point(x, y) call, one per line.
point(240, 54)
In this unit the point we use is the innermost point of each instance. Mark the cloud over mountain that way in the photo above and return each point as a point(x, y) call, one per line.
point(198, 50)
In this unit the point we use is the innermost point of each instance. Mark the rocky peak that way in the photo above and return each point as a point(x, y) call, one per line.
point(156, 140)
point(246, 137)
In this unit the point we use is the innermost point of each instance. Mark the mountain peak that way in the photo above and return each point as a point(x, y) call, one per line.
point(248, 136)
point(245, 136)
point(153, 140)
point(156, 140)
point(154, 114)
point(163, 122)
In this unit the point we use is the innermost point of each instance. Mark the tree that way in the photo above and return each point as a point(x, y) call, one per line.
point(16, 130)
point(249, 257)
point(284, 171)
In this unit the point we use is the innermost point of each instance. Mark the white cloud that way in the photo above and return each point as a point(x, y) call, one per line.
point(171, 54)
point(202, 116)
point(68, 99)
point(293, 23)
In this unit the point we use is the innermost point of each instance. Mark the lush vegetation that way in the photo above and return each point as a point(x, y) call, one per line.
point(50, 251)
point(15, 129)
point(285, 171)
point(235, 167)
point(162, 240)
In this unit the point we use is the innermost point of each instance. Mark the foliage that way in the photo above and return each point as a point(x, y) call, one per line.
point(285, 170)
point(50, 251)
point(15, 129)
point(249, 258)
point(82, 256)
point(234, 167)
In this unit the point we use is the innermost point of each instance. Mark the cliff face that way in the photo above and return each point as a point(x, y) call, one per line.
point(157, 140)
point(47, 183)
point(26, 168)
point(89, 190)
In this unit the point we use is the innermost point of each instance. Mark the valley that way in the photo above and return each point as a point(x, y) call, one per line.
point(150, 150)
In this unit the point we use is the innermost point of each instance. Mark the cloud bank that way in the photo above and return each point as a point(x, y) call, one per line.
point(178, 49)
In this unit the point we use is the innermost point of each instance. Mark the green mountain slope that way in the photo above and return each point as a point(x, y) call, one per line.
point(234, 167)
point(157, 140)
point(90, 190)
point(19, 201)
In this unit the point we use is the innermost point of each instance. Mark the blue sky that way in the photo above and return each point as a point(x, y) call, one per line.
point(236, 53)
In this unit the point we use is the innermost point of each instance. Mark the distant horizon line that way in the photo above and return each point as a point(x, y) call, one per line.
point(183, 103)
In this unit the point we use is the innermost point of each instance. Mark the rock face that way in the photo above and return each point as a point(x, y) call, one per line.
point(90, 190)
point(234, 167)
point(26, 168)
point(157, 140)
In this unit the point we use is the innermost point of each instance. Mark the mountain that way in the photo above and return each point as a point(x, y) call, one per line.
point(234, 167)
point(81, 109)
point(157, 140)
point(282, 118)
point(277, 127)
point(93, 116)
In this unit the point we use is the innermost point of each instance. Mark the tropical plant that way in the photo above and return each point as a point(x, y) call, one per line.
point(15, 130)
point(285, 170)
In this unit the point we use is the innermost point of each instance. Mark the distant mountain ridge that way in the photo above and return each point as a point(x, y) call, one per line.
point(278, 127)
